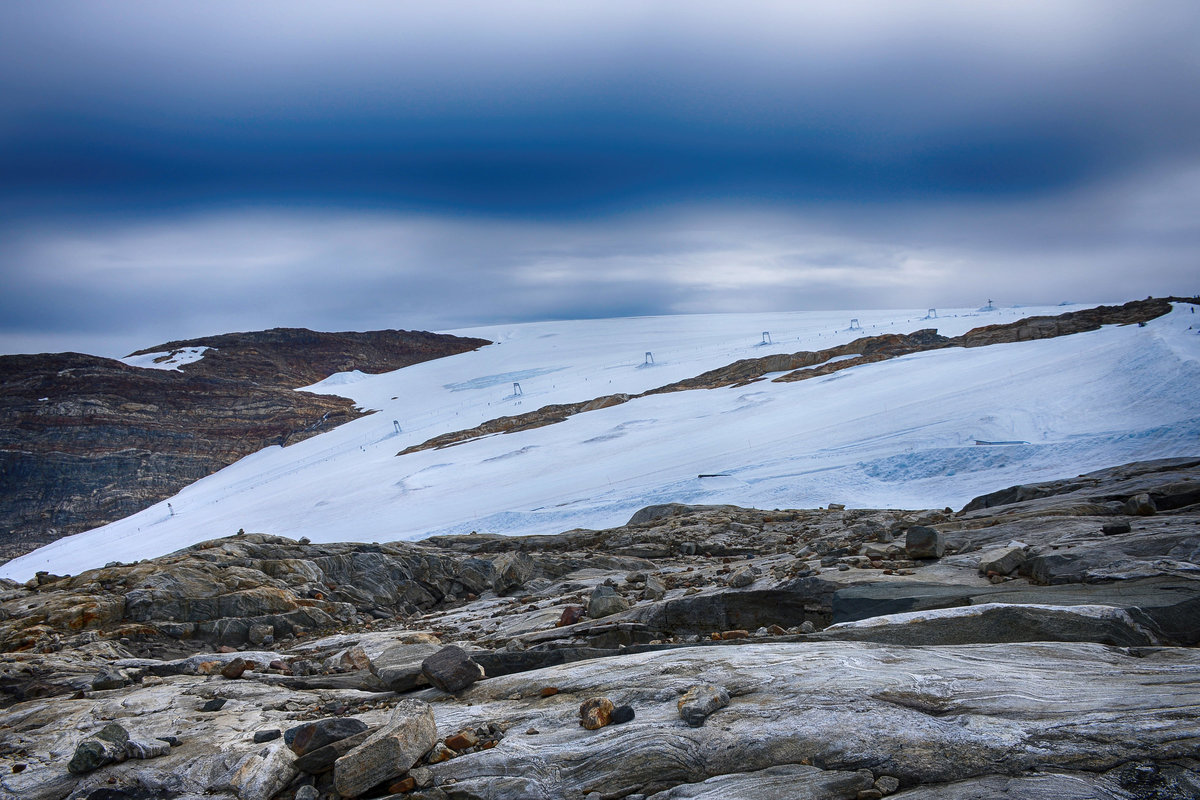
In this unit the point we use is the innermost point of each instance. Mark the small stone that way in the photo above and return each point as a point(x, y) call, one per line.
point(605, 602)
point(234, 669)
point(570, 615)
point(700, 701)
point(595, 713)
point(307, 792)
point(259, 634)
point(422, 775)
point(315, 735)
point(462, 740)
point(112, 732)
point(439, 753)
point(1114, 528)
point(271, 735)
point(110, 678)
point(1141, 505)
point(451, 669)
point(923, 542)
point(735, 634)
point(142, 749)
point(1001, 561)
point(548, 691)
point(216, 704)
point(808, 627)
point(18, 768)
point(532, 732)
point(91, 754)
point(869, 794)
point(886, 784)
point(322, 759)
point(622, 714)
point(655, 590)
point(776, 630)
point(406, 784)
point(741, 577)
point(837, 506)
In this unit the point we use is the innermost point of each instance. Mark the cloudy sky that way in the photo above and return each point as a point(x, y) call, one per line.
point(170, 170)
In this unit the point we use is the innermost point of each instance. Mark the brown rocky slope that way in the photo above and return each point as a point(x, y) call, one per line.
point(86, 440)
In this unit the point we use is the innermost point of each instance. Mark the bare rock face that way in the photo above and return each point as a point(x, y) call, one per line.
point(390, 751)
point(1072, 677)
point(87, 440)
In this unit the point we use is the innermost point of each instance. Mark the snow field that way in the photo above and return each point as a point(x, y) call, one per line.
point(899, 433)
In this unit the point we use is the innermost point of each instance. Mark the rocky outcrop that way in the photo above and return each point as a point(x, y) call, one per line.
point(780, 654)
point(87, 440)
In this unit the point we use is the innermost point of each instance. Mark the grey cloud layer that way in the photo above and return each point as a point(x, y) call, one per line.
point(177, 169)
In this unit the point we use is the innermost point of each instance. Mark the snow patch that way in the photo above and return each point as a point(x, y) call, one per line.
point(166, 359)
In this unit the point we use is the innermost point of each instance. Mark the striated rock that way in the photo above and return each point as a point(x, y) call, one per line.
point(391, 751)
point(998, 622)
point(700, 701)
point(595, 713)
point(786, 782)
point(451, 669)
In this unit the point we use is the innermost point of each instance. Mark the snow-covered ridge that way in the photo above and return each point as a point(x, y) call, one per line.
point(899, 433)
point(170, 359)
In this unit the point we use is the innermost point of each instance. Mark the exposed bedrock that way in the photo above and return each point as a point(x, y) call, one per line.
point(973, 675)
point(86, 440)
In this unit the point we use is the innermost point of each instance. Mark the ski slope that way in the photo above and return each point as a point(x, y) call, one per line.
point(899, 433)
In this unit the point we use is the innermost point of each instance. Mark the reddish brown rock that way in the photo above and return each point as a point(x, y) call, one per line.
point(595, 713)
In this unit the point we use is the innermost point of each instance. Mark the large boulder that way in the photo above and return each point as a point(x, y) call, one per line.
point(389, 752)
point(451, 669)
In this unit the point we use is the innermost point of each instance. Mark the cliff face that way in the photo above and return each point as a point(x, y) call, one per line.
point(87, 440)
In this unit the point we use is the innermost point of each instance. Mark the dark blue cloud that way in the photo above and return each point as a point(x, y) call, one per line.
point(636, 117)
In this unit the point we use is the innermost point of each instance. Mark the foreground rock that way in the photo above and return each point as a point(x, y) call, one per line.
point(721, 676)
point(388, 752)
